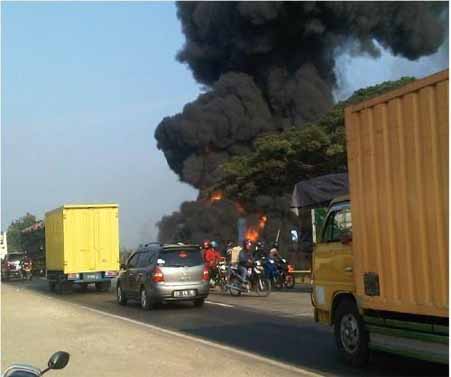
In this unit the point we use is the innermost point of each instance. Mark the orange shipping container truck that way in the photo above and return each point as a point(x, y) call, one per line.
point(398, 174)
point(380, 267)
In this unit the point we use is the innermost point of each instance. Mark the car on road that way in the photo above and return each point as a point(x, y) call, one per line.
point(12, 266)
point(163, 273)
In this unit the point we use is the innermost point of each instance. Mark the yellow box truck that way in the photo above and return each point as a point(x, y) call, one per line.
point(82, 246)
point(380, 269)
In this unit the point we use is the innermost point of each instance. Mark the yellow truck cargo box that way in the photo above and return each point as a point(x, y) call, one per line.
point(82, 238)
point(398, 170)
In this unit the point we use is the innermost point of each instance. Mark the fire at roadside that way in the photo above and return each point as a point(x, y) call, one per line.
point(269, 66)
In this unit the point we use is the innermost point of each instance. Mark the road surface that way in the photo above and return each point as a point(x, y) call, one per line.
point(228, 336)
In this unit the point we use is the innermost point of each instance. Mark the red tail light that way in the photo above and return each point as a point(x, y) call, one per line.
point(290, 268)
point(206, 275)
point(157, 276)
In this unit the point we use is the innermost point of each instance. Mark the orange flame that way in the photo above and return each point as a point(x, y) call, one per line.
point(239, 208)
point(216, 196)
point(262, 222)
point(253, 232)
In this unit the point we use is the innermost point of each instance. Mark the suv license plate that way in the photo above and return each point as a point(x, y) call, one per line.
point(186, 293)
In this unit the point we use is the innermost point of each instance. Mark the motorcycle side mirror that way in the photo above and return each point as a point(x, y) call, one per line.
point(58, 360)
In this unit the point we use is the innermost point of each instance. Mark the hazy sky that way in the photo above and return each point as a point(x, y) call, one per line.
point(83, 87)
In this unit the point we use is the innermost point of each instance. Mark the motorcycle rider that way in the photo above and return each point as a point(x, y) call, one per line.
point(245, 260)
point(260, 252)
point(26, 267)
point(211, 257)
point(275, 255)
point(228, 251)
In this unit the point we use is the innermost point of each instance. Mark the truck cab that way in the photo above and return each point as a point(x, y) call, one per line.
point(332, 260)
point(333, 294)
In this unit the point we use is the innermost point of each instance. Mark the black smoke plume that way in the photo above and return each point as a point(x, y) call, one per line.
point(270, 65)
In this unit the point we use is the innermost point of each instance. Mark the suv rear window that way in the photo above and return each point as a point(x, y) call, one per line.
point(181, 257)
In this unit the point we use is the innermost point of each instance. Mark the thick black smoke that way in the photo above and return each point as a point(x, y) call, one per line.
point(270, 65)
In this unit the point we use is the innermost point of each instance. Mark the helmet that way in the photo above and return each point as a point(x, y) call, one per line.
point(214, 244)
point(206, 244)
point(247, 244)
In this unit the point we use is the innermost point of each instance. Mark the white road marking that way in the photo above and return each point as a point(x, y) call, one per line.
point(307, 314)
point(292, 368)
point(220, 304)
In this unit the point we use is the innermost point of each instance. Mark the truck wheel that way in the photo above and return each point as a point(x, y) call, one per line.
point(121, 297)
point(59, 287)
point(145, 299)
point(350, 334)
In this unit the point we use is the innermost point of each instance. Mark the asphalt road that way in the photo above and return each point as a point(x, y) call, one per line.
point(262, 326)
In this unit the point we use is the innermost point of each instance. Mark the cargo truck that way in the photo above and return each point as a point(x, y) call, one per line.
point(82, 246)
point(380, 269)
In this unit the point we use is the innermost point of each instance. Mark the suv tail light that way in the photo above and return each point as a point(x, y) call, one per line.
point(206, 275)
point(157, 275)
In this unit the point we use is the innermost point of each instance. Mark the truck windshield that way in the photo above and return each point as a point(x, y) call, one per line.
point(338, 224)
point(182, 257)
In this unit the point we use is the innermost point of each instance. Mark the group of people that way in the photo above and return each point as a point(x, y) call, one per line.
point(243, 256)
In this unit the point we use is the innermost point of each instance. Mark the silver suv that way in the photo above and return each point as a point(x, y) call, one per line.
point(160, 273)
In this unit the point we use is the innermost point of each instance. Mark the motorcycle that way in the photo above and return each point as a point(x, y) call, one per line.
point(286, 277)
point(219, 279)
point(271, 271)
point(26, 270)
point(57, 361)
point(256, 281)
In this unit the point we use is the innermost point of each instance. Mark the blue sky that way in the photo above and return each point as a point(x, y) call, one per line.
point(83, 87)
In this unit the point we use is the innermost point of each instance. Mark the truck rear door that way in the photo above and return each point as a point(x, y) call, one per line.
point(78, 230)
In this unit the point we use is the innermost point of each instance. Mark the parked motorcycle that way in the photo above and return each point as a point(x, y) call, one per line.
point(256, 281)
point(58, 361)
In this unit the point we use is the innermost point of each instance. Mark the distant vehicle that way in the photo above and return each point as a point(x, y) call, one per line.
point(155, 274)
point(12, 266)
point(82, 246)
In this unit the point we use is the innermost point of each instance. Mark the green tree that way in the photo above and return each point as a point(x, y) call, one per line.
point(280, 160)
point(14, 233)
